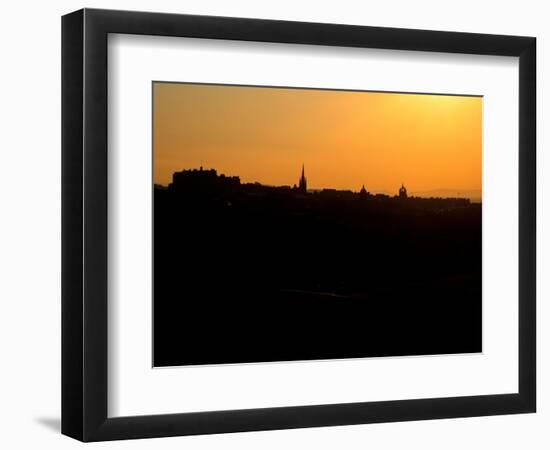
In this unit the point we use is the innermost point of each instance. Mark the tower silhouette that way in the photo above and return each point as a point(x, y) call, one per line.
point(402, 191)
point(302, 185)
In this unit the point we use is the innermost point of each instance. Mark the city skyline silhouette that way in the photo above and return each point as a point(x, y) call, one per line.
point(472, 195)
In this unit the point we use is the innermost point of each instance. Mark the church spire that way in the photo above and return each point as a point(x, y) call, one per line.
point(302, 185)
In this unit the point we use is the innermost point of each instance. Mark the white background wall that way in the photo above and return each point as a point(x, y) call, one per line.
point(30, 222)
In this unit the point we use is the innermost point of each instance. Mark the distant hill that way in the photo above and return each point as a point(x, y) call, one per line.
point(473, 194)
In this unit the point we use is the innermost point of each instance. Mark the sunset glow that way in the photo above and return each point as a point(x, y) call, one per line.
point(344, 139)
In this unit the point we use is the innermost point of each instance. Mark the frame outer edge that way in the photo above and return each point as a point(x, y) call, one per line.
point(528, 226)
point(72, 371)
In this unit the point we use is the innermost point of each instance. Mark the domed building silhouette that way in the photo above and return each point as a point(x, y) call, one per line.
point(402, 191)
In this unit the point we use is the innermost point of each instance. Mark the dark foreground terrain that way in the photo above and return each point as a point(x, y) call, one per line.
point(246, 273)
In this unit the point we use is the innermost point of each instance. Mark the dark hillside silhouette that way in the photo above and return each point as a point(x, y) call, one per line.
point(249, 273)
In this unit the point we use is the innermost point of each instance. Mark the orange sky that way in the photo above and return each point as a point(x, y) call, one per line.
point(345, 139)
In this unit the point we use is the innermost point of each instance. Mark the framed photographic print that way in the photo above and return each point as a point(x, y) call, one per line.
point(272, 224)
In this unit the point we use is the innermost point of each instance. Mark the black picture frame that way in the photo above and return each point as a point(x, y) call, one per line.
point(84, 224)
